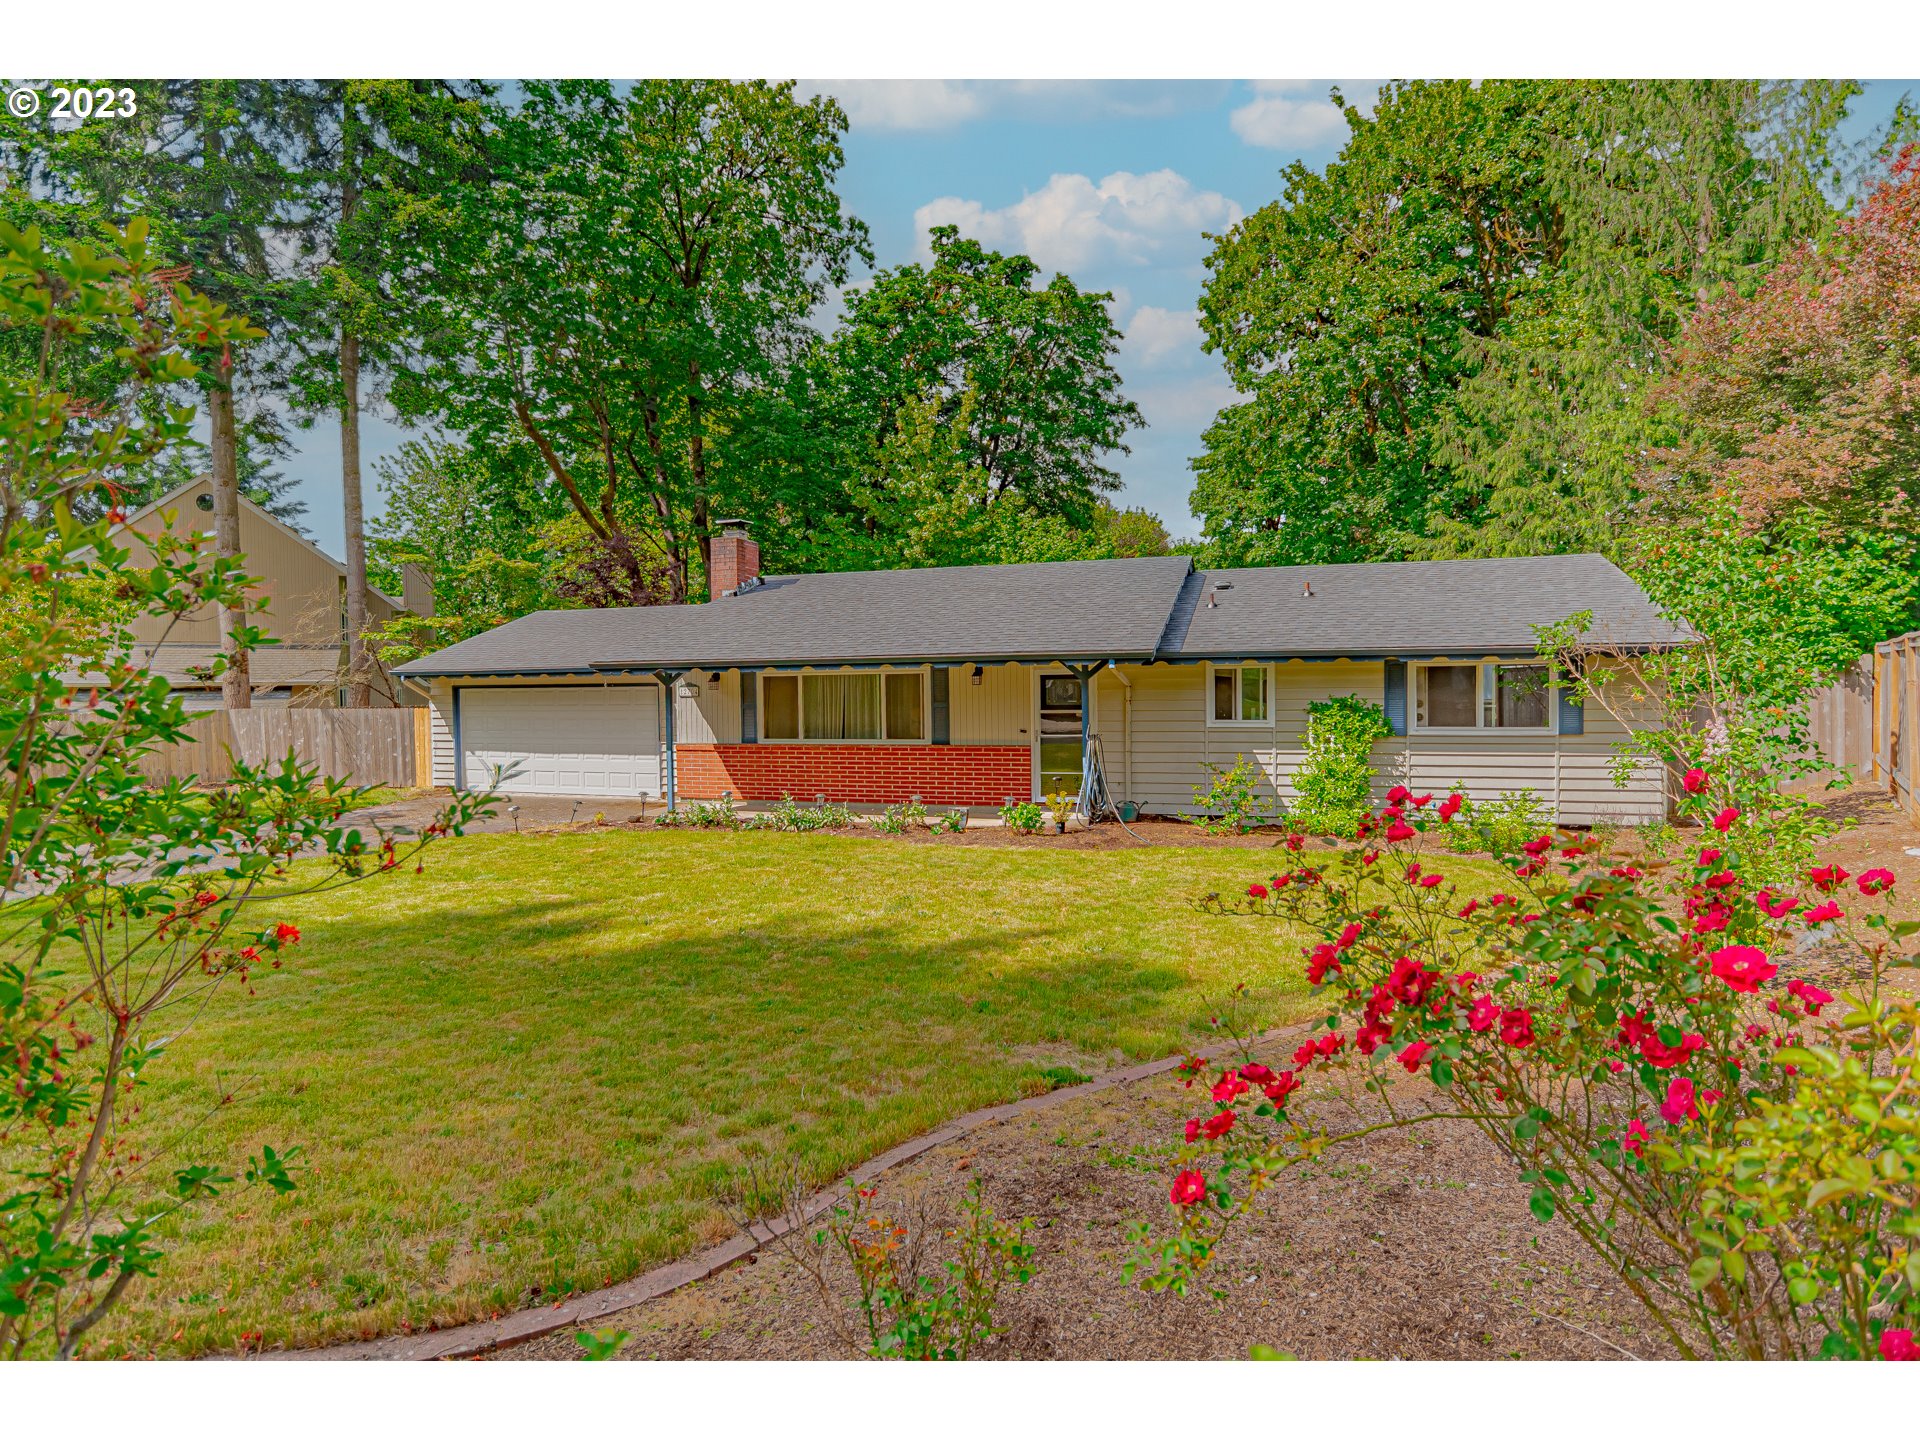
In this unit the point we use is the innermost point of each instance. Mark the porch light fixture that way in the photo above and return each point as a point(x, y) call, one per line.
point(978, 671)
point(714, 678)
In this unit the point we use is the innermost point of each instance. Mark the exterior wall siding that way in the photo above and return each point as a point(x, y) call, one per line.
point(1171, 743)
point(997, 711)
point(938, 774)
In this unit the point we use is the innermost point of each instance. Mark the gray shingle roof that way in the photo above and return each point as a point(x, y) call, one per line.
point(1412, 608)
point(1076, 609)
point(1083, 609)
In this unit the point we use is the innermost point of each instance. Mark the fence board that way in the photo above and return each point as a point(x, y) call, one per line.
point(1868, 721)
point(366, 747)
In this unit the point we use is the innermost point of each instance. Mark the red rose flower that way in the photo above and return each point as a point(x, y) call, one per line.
point(1484, 1014)
point(1678, 1107)
point(1450, 807)
point(1899, 1345)
point(1744, 968)
point(1538, 846)
point(1776, 906)
point(1826, 877)
point(1721, 880)
point(1872, 882)
point(1516, 1028)
point(1413, 1055)
point(1399, 795)
point(1257, 891)
point(1811, 996)
point(1228, 1088)
point(1420, 802)
point(1189, 1188)
point(1330, 1044)
point(1257, 1073)
point(1468, 908)
point(1822, 913)
point(1304, 1055)
point(287, 934)
point(1723, 822)
point(1283, 1085)
point(1637, 1135)
point(1707, 857)
point(1400, 830)
point(1193, 1131)
point(1218, 1124)
point(1694, 781)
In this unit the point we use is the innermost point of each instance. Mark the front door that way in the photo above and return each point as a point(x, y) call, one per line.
point(1062, 698)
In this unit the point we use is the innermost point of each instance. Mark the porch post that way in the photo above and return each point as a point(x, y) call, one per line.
point(668, 680)
point(1085, 674)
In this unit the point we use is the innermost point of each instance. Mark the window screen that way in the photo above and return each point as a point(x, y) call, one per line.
point(1521, 697)
point(1448, 696)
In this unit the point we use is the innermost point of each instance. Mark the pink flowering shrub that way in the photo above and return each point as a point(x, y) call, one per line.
point(1640, 1050)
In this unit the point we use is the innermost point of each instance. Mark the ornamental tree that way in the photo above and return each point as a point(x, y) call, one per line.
point(1639, 1049)
point(124, 906)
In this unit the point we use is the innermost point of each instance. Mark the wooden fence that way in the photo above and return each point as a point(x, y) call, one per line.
point(1868, 721)
point(367, 747)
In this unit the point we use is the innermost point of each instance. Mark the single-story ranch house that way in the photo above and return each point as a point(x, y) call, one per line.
point(970, 685)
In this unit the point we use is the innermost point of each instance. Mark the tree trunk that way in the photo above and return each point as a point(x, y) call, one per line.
point(236, 685)
point(359, 661)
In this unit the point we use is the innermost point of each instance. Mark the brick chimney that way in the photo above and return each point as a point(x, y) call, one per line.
point(734, 562)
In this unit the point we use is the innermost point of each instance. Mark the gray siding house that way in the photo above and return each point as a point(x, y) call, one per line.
point(970, 685)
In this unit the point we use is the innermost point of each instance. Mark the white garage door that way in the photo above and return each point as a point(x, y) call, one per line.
point(563, 739)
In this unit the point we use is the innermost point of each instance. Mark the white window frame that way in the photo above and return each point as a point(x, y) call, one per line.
point(1206, 695)
point(925, 673)
point(1481, 695)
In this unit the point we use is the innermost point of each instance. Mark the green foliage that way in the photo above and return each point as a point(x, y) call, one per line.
point(718, 814)
point(1021, 816)
point(1230, 802)
point(954, 822)
point(910, 1310)
point(1499, 826)
point(790, 814)
point(1445, 340)
point(899, 819)
point(600, 1344)
point(1334, 784)
point(124, 902)
point(1787, 606)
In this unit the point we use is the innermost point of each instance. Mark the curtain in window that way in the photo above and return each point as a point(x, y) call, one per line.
point(842, 707)
point(1223, 694)
point(1447, 695)
point(904, 718)
point(780, 697)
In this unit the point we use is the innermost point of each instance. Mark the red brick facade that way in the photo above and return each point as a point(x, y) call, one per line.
point(938, 774)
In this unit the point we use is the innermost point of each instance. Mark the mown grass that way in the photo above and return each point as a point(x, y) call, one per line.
point(539, 1066)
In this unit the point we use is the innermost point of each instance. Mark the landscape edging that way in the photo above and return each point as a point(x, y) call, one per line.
point(480, 1337)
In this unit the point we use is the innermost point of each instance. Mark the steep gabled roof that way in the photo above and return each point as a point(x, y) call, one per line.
point(1135, 610)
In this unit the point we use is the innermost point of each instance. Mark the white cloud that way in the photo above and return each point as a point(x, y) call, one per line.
point(1297, 114)
point(1155, 336)
point(903, 104)
point(1071, 222)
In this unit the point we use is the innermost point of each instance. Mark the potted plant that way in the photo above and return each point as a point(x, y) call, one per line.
point(1058, 808)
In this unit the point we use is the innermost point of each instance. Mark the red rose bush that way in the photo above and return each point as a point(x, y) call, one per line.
point(1639, 1048)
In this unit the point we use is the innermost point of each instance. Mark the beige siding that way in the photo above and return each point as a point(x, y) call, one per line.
point(1171, 742)
point(440, 702)
point(712, 715)
point(997, 711)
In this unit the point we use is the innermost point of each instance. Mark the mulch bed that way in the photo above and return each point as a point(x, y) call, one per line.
point(1408, 1245)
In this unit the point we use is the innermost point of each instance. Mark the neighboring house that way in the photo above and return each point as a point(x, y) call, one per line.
point(305, 595)
point(967, 685)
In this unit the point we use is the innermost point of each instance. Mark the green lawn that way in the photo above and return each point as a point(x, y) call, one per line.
point(540, 1063)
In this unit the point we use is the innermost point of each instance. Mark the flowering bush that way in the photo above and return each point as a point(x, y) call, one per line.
point(127, 905)
point(1641, 1053)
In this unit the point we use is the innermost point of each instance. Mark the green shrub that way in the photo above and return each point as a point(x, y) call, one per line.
point(790, 814)
point(898, 819)
point(704, 815)
point(1232, 804)
point(1499, 826)
point(1021, 816)
point(1334, 784)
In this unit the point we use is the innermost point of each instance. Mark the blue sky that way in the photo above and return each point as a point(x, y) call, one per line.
point(1114, 182)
